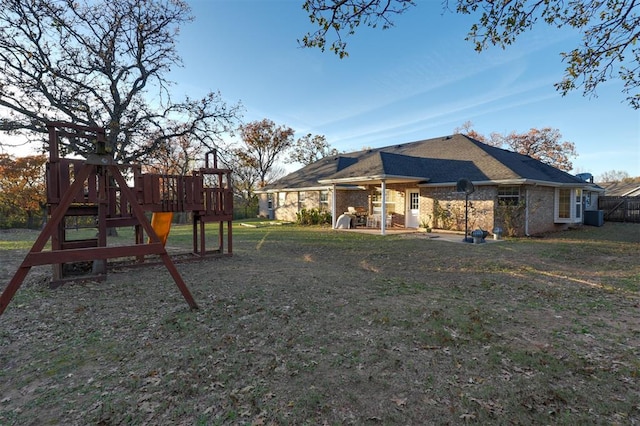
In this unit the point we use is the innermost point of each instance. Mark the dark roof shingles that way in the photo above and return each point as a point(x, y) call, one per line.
point(440, 160)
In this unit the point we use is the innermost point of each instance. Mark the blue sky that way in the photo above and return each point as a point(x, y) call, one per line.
point(418, 80)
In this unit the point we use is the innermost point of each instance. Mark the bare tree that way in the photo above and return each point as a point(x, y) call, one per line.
point(614, 176)
point(177, 156)
point(101, 64)
point(494, 139)
point(245, 181)
point(543, 145)
point(263, 143)
point(610, 32)
point(310, 148)
point(467, 129)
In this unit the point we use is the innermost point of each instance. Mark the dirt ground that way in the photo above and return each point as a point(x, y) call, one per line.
point(313, 326)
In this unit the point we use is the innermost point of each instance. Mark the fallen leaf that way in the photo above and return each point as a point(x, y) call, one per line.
point(400, 402)
point(468, 416)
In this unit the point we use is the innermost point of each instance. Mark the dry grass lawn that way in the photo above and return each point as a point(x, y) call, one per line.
point(313, 326)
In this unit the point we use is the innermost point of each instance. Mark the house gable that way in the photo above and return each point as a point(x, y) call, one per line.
point(400, 167)
point(445, 160)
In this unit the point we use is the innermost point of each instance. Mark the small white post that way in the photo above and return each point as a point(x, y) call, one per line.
point(383, 219)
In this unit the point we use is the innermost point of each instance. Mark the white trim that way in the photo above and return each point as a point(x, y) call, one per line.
point(383, 215)
point(296, 189)
point(534, 182)
point(311, 188)
point(631, 191)
point(333, 206)
point(374, 179)
point(572, 207)
point(526, 211)
point(408, 209)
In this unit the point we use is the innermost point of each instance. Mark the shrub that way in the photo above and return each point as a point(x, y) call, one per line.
point(313, 217)
point(510, 217)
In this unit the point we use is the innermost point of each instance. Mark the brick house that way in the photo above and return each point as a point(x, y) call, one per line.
point(416, 184)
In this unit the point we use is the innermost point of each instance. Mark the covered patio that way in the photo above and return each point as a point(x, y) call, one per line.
point(386, 203)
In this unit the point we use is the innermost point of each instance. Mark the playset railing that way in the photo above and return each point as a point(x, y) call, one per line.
point(96, 188)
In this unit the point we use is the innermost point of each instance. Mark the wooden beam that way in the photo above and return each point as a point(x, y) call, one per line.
point(127, 194)
point(92, 253)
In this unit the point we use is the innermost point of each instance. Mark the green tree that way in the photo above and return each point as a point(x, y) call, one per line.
point(610, 32)
point(310, 148)
point(101, 64)
point(22, 190)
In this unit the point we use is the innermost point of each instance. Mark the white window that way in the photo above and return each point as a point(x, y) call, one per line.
point(508, 195)
point(414, 200)
point(568, 205)
point(376, 201)
point(324, 200)
point(302, 196)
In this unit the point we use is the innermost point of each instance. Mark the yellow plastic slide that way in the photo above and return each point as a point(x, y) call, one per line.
point(161, 223)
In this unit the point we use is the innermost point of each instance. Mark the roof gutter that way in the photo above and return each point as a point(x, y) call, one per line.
point(372, 178)
point(307, 188)
point(534, 182)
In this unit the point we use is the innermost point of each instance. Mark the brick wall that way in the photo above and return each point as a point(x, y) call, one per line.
point(541, 211)
point(347, 199)
point(440, 208)
point(444, 208)
point(287, 204)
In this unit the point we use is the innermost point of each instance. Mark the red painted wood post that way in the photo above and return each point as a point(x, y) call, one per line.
point(126, 192)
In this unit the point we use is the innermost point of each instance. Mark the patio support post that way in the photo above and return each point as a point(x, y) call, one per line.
point(383, 219)
point(333, 206)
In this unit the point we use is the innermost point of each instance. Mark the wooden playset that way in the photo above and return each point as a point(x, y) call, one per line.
point(96, 189)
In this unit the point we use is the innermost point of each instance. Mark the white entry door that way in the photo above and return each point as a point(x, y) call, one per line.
point(413, 208)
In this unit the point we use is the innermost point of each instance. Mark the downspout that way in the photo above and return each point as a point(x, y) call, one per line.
point(526, 212)
point(333, 206)
point(383, 219)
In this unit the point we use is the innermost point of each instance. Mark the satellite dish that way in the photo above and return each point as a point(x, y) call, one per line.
point(587, 177)
point(465, 185)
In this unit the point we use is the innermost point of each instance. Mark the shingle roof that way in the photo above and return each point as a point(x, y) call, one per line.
point(308, 176)
point(379, 164)
point(621, 189)
point(438, 160)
